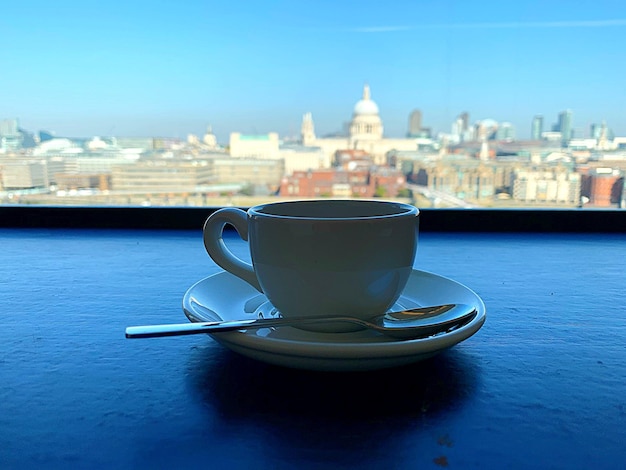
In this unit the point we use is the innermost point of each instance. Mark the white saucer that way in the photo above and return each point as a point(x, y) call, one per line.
point(226, 297)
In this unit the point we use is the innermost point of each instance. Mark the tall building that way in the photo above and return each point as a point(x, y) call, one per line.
point(10, 136)
point(536, 128)
point(9, 127)
point(415, 126)
point(308, 129)
point(565, 126)
point(601, 131)
point(461, 129)
point(505, 132)
point(415, 123)
point(464, 117)
point(594, 131)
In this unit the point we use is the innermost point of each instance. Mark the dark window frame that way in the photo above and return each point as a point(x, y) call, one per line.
point(431, 220)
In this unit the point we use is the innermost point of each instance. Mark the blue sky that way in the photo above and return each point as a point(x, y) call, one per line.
point(169, 68)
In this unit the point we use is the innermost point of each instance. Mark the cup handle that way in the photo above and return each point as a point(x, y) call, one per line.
point(217, 250)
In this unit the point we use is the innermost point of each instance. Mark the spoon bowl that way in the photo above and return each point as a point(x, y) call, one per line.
point(404, 324)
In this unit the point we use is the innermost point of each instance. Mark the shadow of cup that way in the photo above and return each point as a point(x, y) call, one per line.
point(303, 408)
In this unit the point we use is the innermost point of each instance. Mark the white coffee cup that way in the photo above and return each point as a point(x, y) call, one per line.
point(321, 257)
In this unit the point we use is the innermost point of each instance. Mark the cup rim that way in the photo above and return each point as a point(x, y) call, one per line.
point(401, 209)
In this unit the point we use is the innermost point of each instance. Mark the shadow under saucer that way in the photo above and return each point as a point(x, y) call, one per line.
point(365, 410)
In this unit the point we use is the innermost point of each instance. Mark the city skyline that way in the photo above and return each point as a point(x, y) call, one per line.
point(537, 131)
point(153, 68)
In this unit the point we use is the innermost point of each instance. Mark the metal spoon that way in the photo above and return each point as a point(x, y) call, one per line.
point(405, 324)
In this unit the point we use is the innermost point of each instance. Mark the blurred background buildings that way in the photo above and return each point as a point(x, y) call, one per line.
point(480, 163)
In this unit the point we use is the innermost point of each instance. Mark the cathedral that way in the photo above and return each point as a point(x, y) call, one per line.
point(366, 133)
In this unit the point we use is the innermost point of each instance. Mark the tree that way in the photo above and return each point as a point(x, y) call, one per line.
point(405, 193)
point(380, 191)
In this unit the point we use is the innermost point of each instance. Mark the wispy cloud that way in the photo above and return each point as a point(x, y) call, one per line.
point(382, 29)
point(500, 25)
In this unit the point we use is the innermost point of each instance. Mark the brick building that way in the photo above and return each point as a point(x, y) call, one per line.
point(603, 186)
point(367, 183)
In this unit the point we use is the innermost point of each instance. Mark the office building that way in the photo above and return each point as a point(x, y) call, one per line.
point(415, 123)
point(77, 181)
point(170, 175)
point(461, 129)
point(464, 118)
point(10, 136)
point(558, 186)
point(536, 130)
point(268, 147)
point(416, 130)
point(184, 175)
point(255, 172)
point(8, 127)
point(23, 174)
point(564, 126)
point(505, 132)
point(297, 157)
point(265, 146)
point(463, 177)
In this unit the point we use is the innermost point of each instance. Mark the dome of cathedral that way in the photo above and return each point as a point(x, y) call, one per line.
point(365, 106)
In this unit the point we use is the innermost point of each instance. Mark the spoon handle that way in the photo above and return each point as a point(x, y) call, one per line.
point(404, 323)
point(180, 329)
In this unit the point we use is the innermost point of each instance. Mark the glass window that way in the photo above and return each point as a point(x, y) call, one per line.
point(445, 105)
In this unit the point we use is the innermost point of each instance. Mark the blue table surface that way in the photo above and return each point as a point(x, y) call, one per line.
point(542, 384)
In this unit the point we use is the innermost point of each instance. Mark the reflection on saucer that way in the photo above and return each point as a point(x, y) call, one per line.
point(226, 297)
